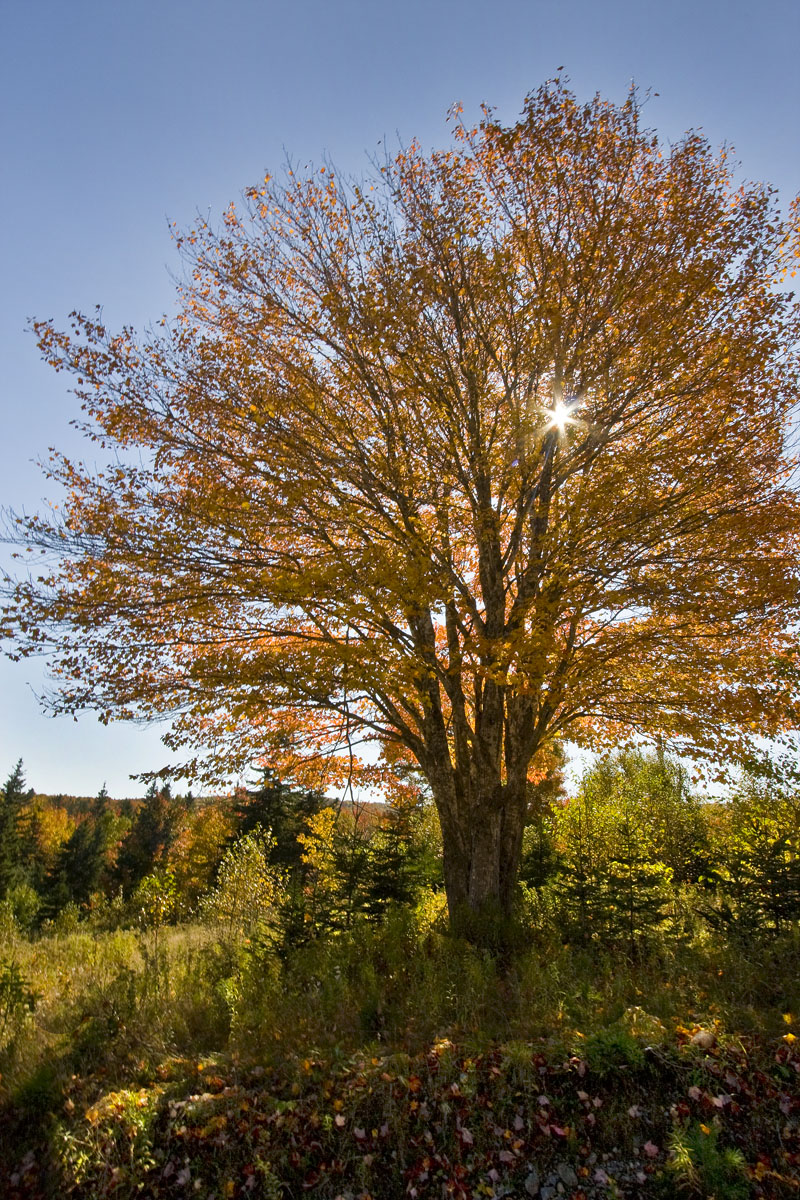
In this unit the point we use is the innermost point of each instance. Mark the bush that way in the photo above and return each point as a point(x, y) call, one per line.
point(700, 1167)
point(17, 999)
point(608, 1050)
point(247, 888)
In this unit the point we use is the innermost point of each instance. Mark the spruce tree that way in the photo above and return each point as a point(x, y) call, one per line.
point(281, 809)
point(757, 881)
point(615, 886)
point(82, 864)
point(636, 887)
point(153, 829)
point(396, 865)
point(12, 840)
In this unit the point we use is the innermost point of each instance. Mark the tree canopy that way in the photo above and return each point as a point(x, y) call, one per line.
point(487, 449)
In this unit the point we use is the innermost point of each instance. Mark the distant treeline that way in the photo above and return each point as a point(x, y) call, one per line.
point(66, 858)
point(636, 854)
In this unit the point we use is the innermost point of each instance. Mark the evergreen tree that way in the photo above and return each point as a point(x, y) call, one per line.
point(13, 842)
point(669, 812)
point(583, 901)
point(82, 864)
point(392, 875)
point(281, 809)
point(757, 880)
point(153, 829)
point(654, 789)
point(636, 886)
point(615, 885)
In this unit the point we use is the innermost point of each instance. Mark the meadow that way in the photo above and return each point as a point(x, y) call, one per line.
point(301, 1021)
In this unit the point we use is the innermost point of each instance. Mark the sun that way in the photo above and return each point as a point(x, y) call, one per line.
point(560, 416)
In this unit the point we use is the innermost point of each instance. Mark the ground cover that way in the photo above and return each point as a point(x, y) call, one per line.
point(396, 1061)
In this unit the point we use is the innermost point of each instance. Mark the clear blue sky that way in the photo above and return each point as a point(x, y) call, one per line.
point(115, 117)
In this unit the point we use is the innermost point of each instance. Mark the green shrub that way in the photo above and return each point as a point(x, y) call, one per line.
point(247, 887)
point(17, 999)
point(25, 905)
point(610, 1049)
point(66, 921)
point(699, 1166)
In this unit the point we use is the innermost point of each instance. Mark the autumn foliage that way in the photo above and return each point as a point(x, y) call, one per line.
point(486, 450)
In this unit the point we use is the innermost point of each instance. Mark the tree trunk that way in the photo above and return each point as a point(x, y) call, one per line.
point(482, 851)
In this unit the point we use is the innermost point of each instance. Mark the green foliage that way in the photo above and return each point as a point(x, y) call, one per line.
point(195, 855)
point(247, 887)
point(700, 1166)
point(13, 857)
point(609, 1050)
point(20, 908)
point(153, 829)
point(155, 899)
point(541, 858)
point(612, 887)
point(336, 854)
point(82, 863)
point(119, 1129)
point(629, 863)
point(284, 811)
point(356, 864)
point(17, 998)
point(395, 870)
point(67, 919)
point(756, 884)
point(636, 888)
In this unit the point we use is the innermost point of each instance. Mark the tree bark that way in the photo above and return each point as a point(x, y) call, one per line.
point(482, 851)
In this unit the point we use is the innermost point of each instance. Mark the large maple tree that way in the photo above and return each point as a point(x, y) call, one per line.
point(486, 450)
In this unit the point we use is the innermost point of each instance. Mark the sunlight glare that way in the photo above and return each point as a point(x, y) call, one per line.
point(560, 416)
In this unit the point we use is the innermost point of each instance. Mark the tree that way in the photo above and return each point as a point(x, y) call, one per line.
point(757, 874)
point(654, 789)
point(13, 856)
point(247, 889)
point(283, 811)
point(197, 851)
point(81, 866)
point(153, 830)
point(617, 840)
point(486, 449)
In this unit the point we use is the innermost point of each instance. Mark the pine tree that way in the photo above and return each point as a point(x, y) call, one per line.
point(82, 864)
point(284, 811)
point(153, 830)
point(12, 841)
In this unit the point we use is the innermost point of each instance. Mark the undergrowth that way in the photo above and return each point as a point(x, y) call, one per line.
point(141, 1062)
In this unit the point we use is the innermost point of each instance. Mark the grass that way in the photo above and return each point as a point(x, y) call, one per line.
point(396, 1061)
